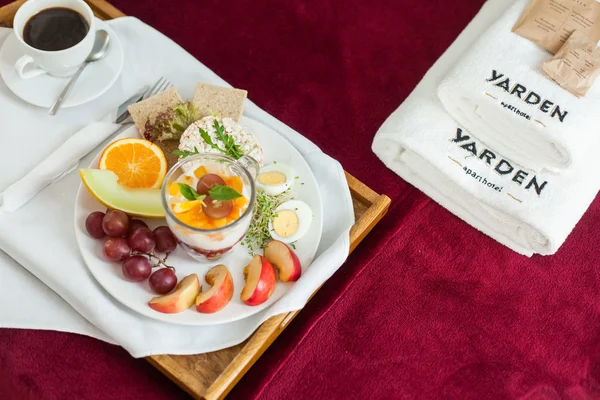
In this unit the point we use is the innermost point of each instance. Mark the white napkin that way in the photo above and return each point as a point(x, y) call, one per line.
point(28, 303)
point(60, 162)
point(488, 89)
point(34, 305)
point(426, 147)
point(47, 220)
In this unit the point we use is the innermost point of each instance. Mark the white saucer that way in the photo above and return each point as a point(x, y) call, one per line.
point(42, 90)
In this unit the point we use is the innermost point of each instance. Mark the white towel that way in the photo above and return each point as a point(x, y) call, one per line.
point(427, 148)
point(58, 163)
point(488, 91)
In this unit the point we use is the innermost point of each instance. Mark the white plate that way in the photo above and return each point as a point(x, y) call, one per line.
point(43, 90)
point(136, 295)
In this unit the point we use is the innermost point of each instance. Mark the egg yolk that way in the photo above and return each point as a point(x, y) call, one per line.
point(271, 178)
point(285, 224)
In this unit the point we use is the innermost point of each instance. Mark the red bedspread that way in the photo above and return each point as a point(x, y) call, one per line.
point(427, 307)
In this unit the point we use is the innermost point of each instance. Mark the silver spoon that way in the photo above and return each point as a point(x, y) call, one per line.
point(99, 50)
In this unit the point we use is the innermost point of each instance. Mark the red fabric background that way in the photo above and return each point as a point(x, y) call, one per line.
point(427, 307)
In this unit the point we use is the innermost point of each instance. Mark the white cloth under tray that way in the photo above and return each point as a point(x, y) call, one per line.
point(426, 147)
point(40, 234)
point(488, 88)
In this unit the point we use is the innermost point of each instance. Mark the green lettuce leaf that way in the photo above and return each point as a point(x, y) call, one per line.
point(170, 124)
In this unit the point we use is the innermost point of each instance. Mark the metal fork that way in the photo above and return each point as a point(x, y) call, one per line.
point(160, 86)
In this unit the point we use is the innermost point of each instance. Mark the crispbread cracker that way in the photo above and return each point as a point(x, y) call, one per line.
point(227, 102)
point(149, 108)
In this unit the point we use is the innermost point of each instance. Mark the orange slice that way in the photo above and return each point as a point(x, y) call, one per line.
point(138, 163)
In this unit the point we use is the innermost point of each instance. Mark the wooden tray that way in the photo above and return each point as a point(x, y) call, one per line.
point(211, 376)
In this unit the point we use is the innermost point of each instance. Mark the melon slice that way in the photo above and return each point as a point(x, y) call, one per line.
point(103, 186)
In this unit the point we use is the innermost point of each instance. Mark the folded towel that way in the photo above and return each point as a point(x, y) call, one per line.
point(498, 92)
point(527, 211)
point(60, 162)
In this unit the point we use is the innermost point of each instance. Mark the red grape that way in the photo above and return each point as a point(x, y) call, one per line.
point(115, 223)
point(165, 240)
point(163, 280)
point(116, 249)
point(136, 223)
point(137, 268)
point(217, 209)
point(93, 225)
point(142, 240)
point(207, 182)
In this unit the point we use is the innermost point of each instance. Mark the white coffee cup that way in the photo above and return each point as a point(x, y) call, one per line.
point(59, 63)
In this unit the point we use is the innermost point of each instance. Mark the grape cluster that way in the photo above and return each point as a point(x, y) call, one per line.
point(132, 243)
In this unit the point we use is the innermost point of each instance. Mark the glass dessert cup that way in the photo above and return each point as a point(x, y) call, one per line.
point(208, 245)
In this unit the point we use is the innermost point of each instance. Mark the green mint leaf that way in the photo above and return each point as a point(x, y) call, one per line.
point(189, 193)
point(222, 193)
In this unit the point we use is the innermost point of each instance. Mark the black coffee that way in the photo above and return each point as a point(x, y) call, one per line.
point(54, 29)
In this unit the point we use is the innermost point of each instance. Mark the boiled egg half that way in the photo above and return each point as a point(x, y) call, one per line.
point(275, 178)
point(291, 222)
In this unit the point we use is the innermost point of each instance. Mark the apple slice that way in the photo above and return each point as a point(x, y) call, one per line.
point(180, 299)
point(284, 259)
point(260, 281)
point(221, 292)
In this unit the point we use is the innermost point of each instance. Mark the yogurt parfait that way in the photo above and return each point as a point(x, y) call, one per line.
point(208, 200)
